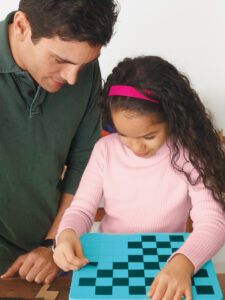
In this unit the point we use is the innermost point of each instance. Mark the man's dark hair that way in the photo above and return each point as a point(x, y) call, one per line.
point(91, 21)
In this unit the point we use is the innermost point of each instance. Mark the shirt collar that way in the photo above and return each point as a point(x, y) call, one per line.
point(7, 63)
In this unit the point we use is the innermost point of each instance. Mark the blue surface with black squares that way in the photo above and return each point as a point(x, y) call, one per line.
point(124, 266)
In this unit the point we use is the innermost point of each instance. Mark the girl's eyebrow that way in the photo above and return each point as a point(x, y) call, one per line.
point(148, 134)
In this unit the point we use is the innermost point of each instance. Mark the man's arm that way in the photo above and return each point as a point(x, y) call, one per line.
point(38, 265)
point(64, 204)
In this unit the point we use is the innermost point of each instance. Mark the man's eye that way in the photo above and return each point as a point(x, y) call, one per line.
point(150, 137)
point(58, 61)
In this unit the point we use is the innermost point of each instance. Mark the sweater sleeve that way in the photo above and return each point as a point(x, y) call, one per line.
point(208, 234)
point(81, 213)
point(85, 137)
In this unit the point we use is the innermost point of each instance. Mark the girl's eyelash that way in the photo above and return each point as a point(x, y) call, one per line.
point(147, 137)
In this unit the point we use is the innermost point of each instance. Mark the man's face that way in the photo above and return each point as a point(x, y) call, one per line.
point(52, 62)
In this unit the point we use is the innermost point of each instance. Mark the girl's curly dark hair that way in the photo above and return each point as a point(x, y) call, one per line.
point(188, 122)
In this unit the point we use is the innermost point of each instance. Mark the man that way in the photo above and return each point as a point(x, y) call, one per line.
point(49, 85)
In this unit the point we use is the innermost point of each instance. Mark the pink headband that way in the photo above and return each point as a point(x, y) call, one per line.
point(129, 91)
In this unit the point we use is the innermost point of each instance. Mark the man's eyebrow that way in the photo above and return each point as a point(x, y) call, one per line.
point(63, 60)
point(148, 134)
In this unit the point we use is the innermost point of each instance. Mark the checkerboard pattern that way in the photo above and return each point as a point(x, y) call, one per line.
point(124, 266)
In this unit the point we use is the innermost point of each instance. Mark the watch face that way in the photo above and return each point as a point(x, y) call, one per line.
point(47, 243)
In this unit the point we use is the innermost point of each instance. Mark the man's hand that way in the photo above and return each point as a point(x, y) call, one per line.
point(173, 281)
point(37, 265)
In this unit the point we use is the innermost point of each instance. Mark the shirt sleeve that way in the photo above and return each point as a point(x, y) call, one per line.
point(81, 213)
point(85, 138)
point(208, 234)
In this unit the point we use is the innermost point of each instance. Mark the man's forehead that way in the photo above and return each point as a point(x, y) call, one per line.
point(72, 52)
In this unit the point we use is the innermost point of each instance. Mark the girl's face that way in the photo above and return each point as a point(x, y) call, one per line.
point(140, 133)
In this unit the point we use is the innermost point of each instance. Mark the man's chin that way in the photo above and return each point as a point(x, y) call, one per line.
point(52, 89)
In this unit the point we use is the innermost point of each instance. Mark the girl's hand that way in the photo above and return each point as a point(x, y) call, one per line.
point(68, 253)
point(174, 281)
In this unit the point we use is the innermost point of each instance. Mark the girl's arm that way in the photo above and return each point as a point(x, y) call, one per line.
point(208, 234)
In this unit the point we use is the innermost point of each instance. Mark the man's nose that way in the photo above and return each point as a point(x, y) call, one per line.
point(70, 74)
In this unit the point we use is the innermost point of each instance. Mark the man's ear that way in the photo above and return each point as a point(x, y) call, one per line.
point(21, 26)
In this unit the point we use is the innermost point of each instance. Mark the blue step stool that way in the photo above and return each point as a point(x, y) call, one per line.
point(124, 266)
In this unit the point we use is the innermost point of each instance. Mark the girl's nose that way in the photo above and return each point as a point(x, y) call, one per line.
point(137, 146)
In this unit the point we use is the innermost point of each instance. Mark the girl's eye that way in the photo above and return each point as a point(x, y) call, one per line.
point(150, 137)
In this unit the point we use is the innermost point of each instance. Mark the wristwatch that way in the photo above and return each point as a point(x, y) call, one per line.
point(48, 243)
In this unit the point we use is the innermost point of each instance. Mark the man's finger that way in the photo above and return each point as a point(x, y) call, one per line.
point(47, 275)
point(13, 269)
point(26, 267)
point(33, 271)
point(51, 277)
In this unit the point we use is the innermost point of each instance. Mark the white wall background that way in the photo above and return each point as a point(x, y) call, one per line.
point(189, 33)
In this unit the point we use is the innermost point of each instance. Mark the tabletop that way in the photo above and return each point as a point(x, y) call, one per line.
point(59, 290)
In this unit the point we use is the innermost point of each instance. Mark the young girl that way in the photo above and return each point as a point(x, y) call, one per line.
point(163, 163)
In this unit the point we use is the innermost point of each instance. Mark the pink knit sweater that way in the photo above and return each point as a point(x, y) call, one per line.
point(146, 195)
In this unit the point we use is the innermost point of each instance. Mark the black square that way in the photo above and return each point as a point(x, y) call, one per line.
point(202, 273)
point(150, 251)
point(134, 244)
point(176, 238)
point(148, 238)
point(120, 281)
point(174, 249)
point(136, 273)
point(120, 265)
point(204, 290)
point(137, 290)
point(151, 265)
point(87, 281)
point(135, 258)
point(163, 258)
point(105, 273)
point(163, 244)
point(103, 290)
point(148, 281)
point(92, 263)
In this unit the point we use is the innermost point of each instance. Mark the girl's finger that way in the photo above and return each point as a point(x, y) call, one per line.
point(152, 287)
point(188, 294)
point(62, 263)
point(73, 259)
point(160, 290)
point(170, 293)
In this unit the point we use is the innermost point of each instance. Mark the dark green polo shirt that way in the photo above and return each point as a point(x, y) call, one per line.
point(40, 132)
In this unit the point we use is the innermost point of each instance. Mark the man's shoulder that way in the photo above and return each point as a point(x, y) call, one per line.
point(108, 142)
